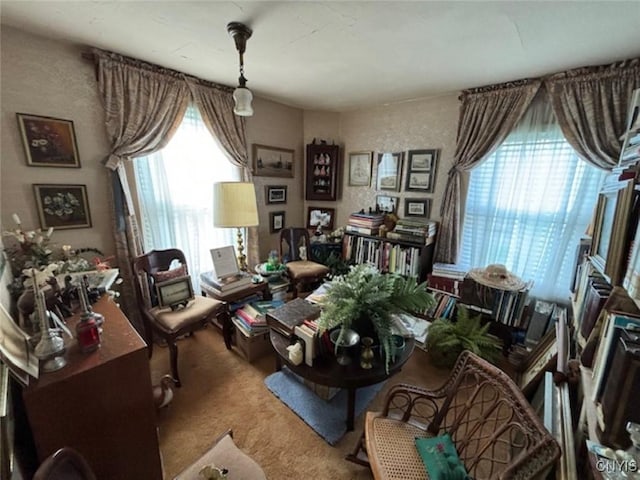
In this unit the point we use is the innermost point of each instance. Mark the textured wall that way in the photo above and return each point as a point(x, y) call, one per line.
point(49, 78)
point(425, 124)
point(280, 126)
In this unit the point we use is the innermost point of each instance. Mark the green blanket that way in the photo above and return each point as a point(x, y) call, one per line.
point(441, 459)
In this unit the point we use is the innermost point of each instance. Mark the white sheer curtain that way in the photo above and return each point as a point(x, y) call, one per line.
point(528, 205)
point(175, 191)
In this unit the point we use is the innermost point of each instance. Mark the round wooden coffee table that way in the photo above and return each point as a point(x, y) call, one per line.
point(327, 371)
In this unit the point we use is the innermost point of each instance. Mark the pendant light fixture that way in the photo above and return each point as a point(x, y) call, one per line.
point(242, 96)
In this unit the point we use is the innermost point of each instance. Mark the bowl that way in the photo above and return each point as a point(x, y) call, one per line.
point(349, 339)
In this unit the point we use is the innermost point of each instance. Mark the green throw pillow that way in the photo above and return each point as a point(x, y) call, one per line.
point(441, 459)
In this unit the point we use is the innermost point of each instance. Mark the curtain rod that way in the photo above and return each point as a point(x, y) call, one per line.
point(92, 57)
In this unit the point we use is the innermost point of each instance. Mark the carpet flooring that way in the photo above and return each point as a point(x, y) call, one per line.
point(221, 390)
point(326, 418)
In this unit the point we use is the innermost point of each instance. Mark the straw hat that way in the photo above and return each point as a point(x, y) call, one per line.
point(496, 276)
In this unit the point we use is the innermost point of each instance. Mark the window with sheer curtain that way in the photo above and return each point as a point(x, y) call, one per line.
point(175, 192)
point(528, 205)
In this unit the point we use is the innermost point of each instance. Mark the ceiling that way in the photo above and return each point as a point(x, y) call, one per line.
point(341, 56)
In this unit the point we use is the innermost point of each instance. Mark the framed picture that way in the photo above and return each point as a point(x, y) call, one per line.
point(389, 171)
point(276, 221)
point(174, 292)
point(417, 207)
point(360, 165)
point(276, 194)
point(48, 142)
point(421, 170)
point(62, 206)
point(611, 231)
point(320, 218)
point(272, 161)
point(542, 358)
point(386, 203)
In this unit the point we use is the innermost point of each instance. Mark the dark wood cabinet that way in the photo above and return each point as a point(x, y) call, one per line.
point(323, 166)
point(100, 404)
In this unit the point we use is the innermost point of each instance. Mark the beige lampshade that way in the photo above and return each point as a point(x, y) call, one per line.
point(234, 205)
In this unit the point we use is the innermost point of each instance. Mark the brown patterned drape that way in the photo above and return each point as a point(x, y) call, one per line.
point(144, 105)
point(215, 104)
point(487, 115)
point(591, 104)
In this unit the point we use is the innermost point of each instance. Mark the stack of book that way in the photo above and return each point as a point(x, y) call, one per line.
point(365, 223)
point(446, 278)
point(226, 285)
point(418, 231)
point(251, 318)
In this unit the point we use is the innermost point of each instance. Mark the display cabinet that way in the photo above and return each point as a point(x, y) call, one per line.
point(323, 166)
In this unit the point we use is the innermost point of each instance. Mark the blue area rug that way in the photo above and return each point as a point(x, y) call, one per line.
point(326, 418)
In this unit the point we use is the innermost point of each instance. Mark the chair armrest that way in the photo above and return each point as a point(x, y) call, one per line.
point(413, 404)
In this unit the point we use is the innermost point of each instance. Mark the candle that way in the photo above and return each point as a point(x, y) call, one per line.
point(16, 218)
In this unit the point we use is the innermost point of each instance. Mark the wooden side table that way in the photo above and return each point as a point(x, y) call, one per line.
point(261, 288)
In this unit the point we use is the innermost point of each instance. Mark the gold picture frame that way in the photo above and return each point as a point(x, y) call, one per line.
point(62, 206)
point(48, 141)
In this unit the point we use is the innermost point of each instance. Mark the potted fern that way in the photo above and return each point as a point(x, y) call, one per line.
point(446, 339)
point(365, 299)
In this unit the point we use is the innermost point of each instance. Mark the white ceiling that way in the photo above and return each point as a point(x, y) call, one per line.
point(345, 55)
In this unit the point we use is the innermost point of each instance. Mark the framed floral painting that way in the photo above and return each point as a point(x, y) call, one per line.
point(62, 206)
point(48, 142)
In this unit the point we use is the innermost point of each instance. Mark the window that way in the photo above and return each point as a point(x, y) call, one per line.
point(175, 192)
point(528, 205)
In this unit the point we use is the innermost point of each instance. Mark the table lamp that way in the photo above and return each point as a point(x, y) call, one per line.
point(234, 206)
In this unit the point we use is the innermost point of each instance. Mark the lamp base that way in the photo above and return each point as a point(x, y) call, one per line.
point(242, 259)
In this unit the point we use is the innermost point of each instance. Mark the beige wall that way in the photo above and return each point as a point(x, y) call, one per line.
point(424, 124)
point(280, 126)
point(45, 77)
point(49, 78)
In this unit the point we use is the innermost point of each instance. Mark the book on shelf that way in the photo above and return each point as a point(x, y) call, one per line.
point(449, 270)
point(411, 238)
point(612, 329)
point(362, 230)
point(444, 284)
point(286, 317)
point(542, 312)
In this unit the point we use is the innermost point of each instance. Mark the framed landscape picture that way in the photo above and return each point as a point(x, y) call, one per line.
point(417, 207)
point(421, 170)
point(276, 194)
point(387, 204)
point(62, 206)
point(276, 221)
point(389, 171)
point(360, 165)
point(48, 142)
point(272, 161)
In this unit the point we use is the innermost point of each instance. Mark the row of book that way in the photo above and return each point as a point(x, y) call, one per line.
point(365, 223)
point(386, 256)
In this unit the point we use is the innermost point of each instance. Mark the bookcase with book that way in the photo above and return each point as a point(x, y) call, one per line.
point(410, 254)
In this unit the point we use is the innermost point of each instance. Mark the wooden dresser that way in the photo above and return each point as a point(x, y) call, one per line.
point(100, 403)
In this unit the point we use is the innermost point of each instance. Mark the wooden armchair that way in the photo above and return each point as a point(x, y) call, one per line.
point(155, 267)
point(300, 271)
point(496, 432)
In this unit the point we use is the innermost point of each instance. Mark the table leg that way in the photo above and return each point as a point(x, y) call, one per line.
point(351, 407)
point(278, 362)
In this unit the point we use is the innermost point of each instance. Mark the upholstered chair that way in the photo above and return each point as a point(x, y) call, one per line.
point(156, 267)
point(302, 272)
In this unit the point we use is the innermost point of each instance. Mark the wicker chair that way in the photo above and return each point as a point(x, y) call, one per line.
point(495, 430)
